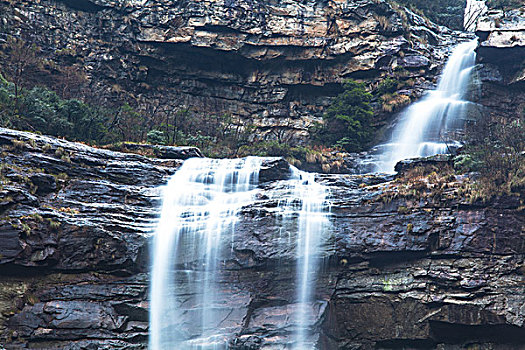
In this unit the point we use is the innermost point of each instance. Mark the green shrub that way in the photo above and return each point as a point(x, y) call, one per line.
point(387, 86)
point(347, 122)
point(42, 110)
point(497, 152)
point(157, 137)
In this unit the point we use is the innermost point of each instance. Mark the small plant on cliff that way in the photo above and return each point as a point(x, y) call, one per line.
point(53, 225)
point(347, 122)
point(497, 152)
point(393, 102)
point(157, 137)
point(387, 86)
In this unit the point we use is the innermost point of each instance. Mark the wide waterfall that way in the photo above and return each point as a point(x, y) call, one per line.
point(428, 127)
point(199, 209)
point(195, 235)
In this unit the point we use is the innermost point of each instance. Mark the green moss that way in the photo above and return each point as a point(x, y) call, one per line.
point(403, 210)
point(53, 225)
point(37, 217)
point(65, 158)
point(46, 147)
point(59, 152)
point(62, 177)
point(25, 228)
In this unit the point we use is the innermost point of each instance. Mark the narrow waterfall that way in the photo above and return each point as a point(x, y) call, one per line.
point(196, 232)
point(308, 200)
point(427, 127)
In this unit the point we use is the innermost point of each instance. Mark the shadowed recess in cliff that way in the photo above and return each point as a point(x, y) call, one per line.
point(191, 307)
point(83, 5)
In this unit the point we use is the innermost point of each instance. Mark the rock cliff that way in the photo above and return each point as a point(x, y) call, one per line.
point(501, 69)
point(502, 43)
point(409, 262)
point(271, 64)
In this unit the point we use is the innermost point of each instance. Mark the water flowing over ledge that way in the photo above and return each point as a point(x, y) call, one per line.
point(89, 286)
point(196, 235)
point(427, 127)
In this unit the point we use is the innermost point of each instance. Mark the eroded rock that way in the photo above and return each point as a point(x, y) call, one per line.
point(400, 270)
point(275, 65)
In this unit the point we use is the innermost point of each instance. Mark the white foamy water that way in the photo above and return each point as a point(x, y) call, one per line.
point(199, 212)
point(201, 203)
point(306, 200)
point(425, 127)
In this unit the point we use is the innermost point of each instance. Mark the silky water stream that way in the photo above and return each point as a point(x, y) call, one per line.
point(196, 230)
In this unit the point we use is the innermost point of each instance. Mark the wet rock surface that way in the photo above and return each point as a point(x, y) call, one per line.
point(275, 65)
point(415, 271)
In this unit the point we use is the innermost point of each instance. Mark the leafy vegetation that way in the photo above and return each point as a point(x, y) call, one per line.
point(41, 110)
point(347, 122)
point(38, 96)
point(387, 86)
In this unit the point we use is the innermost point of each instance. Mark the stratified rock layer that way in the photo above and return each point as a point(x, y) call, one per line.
point(271, 64)
point(501, 68)
point(409, 263)
point(502, 45)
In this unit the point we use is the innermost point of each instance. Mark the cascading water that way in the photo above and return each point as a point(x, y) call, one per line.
point(196, 231)
point(308, 199)
point(426, 125)
point(200, 206)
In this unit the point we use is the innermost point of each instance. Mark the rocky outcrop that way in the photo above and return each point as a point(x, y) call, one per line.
point(271, 64)
point(502, 45)
point(501, 69)
point(74, 222)
point(409, 262)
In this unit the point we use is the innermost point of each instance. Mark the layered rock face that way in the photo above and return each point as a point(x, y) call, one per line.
point(502, 43)
point(271, 64)
point(71, 235)
point(501, 55)
point(409, 264)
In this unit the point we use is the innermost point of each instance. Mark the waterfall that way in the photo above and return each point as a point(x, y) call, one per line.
point(200, 207)
point(426, 127)
point(195, 234)
point(308, 200)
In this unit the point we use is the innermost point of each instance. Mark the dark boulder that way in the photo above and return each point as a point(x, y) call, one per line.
point(45, 183)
